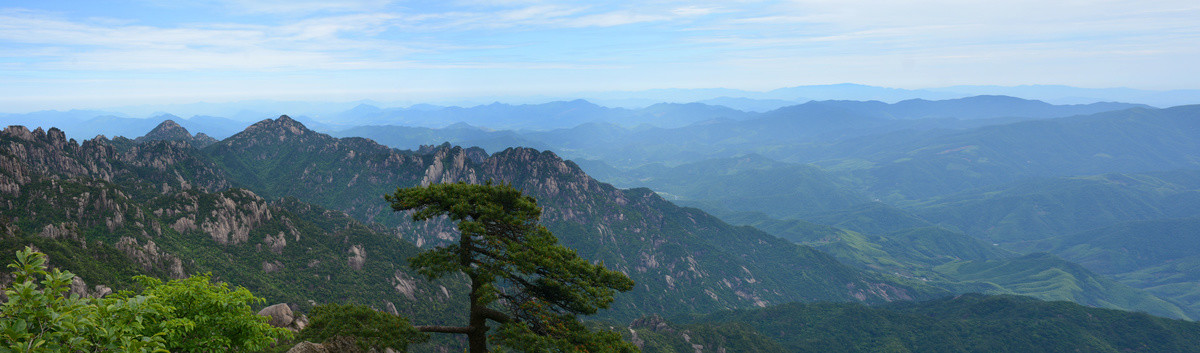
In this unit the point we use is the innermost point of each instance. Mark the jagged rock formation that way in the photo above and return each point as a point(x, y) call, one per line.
point(27, 156)
point(163, 208)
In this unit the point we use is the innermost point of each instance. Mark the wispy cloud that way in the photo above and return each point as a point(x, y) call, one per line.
point(294, 7)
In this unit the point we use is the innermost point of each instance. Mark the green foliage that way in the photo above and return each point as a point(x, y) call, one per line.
point(188, 315)
point(366, 327)
point(516, 263)
point(40, 317)
point(203, 316)
point(559, 333)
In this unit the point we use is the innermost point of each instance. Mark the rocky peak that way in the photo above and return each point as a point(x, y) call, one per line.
point(279, 127)
point(56, 137)
point(169, 130)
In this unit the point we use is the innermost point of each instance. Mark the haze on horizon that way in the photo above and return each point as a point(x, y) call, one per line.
point(81, 54)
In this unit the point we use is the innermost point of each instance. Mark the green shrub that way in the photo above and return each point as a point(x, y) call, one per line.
point(361, 325)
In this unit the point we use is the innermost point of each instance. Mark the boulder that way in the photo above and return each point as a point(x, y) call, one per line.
point(280, 314)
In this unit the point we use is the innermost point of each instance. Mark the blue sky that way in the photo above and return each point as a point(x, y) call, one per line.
point(77, 54)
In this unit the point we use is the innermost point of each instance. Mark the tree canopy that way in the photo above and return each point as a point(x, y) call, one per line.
point(520, 276)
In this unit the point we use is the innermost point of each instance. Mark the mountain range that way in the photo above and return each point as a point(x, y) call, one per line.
point(832, 201)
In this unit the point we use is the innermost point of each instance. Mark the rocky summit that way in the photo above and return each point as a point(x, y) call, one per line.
point(169, 130)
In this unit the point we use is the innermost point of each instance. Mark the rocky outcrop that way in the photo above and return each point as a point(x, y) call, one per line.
point(404, 285)
point(80, 288)
point(230, 221)
point(358, 257)
point(67, 230)
point(275, 243)
point(150, 257)
point(272, 266)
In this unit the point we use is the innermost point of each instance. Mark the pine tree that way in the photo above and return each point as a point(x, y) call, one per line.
point(520, 277)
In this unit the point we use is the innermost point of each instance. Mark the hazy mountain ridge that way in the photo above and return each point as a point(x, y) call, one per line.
point(964, 264)
point(916, 166)
point(544, 116)
point(1042, 208)
point(967, 323)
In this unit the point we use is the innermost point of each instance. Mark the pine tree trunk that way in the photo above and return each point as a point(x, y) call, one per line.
point(477, 335)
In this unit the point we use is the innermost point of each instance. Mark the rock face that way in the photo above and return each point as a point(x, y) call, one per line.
point(150, 258)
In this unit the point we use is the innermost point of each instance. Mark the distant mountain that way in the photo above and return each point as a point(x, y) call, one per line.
point(961, 263)
point(545, 116)
point(52, 118)
point(168, 130)
point(850, 91)
point(746, 183)
point(910, 165)
point(458, 134)
point(1043, 208)
point(984, 107)
point(967, 323)
point(750, 104)
point(871, 217)
point(1055, 94)
point(798, 133)
point(1059, 94)
point(1156, 255)
point(1059, 279)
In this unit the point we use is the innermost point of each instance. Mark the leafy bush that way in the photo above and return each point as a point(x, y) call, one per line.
point(184, 315)
point(202, 316)
point(361, 325)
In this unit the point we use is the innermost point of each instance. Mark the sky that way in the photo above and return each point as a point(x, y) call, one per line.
point(88, 54)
